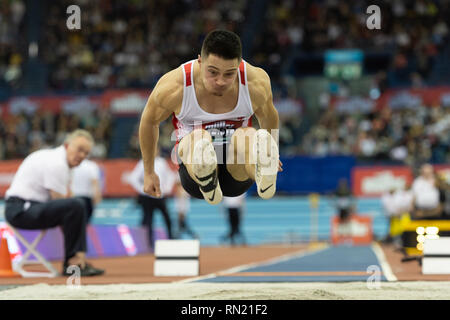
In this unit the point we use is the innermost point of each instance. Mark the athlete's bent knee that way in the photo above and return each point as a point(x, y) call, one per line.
point(78, 207)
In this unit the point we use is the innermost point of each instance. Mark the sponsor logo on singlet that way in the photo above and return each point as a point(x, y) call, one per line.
point(221, 131)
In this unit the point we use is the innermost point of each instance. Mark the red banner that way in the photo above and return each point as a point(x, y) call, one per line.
point(125, 101)
point(114, 177)
point(356, 231)
point(118, 101)
point(430, 97)
point(373, 181)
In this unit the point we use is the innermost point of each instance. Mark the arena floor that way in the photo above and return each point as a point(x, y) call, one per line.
point(290, 272)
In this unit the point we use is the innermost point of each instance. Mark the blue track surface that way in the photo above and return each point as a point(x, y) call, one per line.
point(278, 220)
point(333, 264)
point(345, 258)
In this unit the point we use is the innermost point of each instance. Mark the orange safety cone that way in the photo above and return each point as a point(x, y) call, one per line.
point(6, 270)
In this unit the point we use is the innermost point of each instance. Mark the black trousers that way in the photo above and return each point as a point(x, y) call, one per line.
point(67, 213)
point(89, 207)
point(234, 220)
point(148, 206)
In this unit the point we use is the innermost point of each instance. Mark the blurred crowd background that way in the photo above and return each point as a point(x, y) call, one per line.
point(130, 44)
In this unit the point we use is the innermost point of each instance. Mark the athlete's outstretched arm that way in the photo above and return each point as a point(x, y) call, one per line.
point(160, 105)
point(265, 111)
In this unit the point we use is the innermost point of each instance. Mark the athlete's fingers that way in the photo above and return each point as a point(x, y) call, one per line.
point(157, 190)
point(280, 166)
point(152, 185)
point(148, 190)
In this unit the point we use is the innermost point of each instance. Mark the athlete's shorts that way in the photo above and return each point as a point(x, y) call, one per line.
point(229, 186)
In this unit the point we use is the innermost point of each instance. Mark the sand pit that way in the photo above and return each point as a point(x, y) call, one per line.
point(414, 290)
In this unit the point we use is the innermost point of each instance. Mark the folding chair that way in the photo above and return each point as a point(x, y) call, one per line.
point(32, 250)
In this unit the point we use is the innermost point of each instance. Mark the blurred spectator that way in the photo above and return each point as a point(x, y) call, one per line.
point(404, 199)
point(86, 185)
point(389, 203)
point(129, 44)
point(412, 32)
point(405, 135)
point(396, 202)
point(11, 43)
point(344, 201)
point(390, 209)
point(426, 194)
point(23, 133)
point(134, 150)
point(444, 195)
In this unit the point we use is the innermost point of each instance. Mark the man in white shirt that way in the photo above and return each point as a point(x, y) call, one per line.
point(86, 185)
point(388, 200)
point(393, 208)
point(38, 197)
point(404, 200)
point(148, 203)
point(426, 194)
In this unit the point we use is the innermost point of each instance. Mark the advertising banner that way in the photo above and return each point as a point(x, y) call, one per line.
point(411, 98)
point(114, 175)
point(356, 231)
point(125, 101)
point(374, 181)
point(118, 101)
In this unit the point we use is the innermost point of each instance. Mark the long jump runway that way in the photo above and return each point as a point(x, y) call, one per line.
point(327, 264)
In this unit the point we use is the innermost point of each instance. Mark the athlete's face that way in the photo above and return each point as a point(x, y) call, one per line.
point(77, 150)
point(218, 74)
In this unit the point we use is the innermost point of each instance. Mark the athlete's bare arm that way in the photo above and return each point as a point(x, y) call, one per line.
point(165, 99)
point(262, 101)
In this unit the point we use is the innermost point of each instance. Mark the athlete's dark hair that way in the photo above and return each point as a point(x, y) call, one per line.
point(223, 43)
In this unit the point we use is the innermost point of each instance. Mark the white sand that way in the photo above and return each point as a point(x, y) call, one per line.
point(416, 290)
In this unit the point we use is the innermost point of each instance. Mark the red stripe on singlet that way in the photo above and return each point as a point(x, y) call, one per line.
point(241, 70)
point(175, 123)
point(187, 70)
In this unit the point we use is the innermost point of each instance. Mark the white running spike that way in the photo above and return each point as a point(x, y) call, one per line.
point(204, 165)
point(266, 163)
